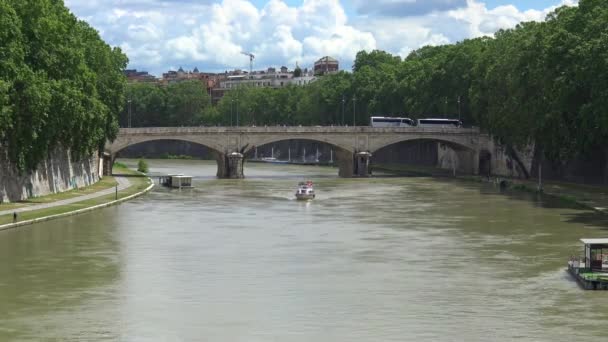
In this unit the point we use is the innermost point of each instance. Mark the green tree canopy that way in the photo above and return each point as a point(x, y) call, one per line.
point(60, 84)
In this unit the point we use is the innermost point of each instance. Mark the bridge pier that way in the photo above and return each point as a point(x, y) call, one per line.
point(230, 166)
point(353, 164)
point(345, 161)
point(361, 164)
point(108, 162)
point(468, 161)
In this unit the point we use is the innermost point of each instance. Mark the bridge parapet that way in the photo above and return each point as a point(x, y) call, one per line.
point(296, 129)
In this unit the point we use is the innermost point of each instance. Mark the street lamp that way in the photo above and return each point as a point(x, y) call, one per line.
point(129, 118)
point(458, 107)
point(237, 111)
point(343, 102)
point(354, 110)
point(231, 106)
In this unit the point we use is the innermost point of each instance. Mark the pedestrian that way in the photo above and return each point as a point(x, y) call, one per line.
point(14, 217)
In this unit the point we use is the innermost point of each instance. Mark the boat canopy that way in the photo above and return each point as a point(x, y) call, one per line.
point(595, 241)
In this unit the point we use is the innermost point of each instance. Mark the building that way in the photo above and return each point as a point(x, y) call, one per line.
point(139, 76)
point(209, 81)
point(326, 65)
point(270, 78)
point(217, 84)
point(172, 76)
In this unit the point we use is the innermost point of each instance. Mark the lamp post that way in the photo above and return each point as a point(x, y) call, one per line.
point(231, 106)
point(343, 102)
point(354, 110)
point(445, 108)
point(458, 107)
point(237, 110)
point(129, 118)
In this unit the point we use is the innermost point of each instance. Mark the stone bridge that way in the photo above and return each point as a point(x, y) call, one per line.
point(354, 145)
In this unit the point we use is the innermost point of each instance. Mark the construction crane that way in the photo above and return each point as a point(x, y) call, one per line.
point(251, 58)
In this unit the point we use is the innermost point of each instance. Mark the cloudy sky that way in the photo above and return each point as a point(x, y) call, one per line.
point(158, 35)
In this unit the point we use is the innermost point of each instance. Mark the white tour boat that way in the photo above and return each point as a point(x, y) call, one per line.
point(305, 191)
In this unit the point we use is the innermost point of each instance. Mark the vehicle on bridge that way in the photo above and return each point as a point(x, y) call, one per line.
point(381, 121)
point(439, 123)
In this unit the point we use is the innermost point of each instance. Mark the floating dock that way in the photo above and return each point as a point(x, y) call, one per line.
point(177, 181)
point(591, 270)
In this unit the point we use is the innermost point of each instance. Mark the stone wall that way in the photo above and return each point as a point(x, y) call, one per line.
point(494, 160)
point(58, 173)
point(591, 168)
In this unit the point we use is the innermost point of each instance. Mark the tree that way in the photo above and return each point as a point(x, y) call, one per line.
point(142, 166)
point(186, 102)
point(60, 84)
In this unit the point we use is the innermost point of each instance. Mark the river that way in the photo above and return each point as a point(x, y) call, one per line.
point(379, 259)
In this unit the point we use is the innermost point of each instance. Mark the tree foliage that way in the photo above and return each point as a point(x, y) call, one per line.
point(60, 84)
point(178, 104)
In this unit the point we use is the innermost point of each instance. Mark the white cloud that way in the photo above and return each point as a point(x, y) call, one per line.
point(209, 34)
point(402, 35)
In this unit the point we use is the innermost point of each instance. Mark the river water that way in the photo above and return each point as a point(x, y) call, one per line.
point(380, 259)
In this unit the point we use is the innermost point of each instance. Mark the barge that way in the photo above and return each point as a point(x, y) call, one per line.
point(591, 270)
point(178, 181)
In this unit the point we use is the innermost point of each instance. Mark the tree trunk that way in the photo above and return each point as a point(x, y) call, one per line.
point(606, 165)
point(540, 171)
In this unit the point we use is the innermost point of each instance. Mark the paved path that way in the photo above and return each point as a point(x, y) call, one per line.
point(123, 183)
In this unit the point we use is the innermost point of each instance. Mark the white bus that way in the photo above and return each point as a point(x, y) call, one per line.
point(380, 121)
point(439, 123)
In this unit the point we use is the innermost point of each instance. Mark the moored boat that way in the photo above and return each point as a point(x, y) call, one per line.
point(591, 270)
point(305, 191)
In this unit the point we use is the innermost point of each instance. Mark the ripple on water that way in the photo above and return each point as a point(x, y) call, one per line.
point(391, 259)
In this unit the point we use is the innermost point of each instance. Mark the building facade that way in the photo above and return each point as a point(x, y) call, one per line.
point(139, 76)
point(326, 65)
point(217, 84)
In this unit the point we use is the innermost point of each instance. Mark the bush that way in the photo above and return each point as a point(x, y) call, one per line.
point(142, 166)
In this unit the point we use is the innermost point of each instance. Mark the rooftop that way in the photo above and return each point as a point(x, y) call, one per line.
point(595, 241)
point(327, 59)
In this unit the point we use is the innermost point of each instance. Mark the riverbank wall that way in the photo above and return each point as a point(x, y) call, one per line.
point(79, 211)
point(59, 172)
point(496, 160)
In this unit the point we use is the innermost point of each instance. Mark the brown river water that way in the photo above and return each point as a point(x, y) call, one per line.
point(379, 259)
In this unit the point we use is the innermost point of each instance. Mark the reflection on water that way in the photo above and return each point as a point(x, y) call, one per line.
point(381, 259)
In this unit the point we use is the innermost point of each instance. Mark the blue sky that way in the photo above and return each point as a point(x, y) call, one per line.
point(158, 35)
point(523, 4)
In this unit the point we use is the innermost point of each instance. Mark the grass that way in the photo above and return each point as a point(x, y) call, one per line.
point(138, 183)
point(104, 183)
point(173, 156)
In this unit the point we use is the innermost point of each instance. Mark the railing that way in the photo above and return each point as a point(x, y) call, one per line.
point(298, 129)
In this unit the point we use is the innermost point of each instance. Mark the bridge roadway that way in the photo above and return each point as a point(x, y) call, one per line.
point(354, 145)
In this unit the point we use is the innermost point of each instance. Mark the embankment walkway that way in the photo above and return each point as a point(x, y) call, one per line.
point(123, 183)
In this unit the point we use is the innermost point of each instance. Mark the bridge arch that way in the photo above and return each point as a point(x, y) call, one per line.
point(121, 143)
point(343, 152)
point(459, 153)
point(457, 142)
point(266, 140)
